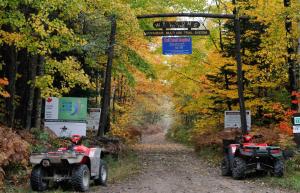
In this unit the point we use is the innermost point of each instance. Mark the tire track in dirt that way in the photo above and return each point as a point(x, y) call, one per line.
point(173, 168)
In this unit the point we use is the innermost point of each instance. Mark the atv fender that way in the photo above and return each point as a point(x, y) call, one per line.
point(94, 156)
point(232, 151)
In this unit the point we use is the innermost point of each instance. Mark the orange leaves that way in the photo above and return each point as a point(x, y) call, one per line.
point(285, 128)
point(13, 150)
point(4, 82)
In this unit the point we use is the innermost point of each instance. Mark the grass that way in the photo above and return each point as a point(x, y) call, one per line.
point(291, 178)
point(127, 165)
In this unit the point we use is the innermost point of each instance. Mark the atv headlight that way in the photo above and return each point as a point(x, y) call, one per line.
point(46, 163)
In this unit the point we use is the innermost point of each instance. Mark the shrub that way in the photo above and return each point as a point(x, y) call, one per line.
point(13, 151)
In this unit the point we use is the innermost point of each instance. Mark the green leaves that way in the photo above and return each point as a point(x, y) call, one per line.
point(141, 64)
point(69, 73)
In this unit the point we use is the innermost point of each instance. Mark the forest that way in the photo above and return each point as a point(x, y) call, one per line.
point(59, 48)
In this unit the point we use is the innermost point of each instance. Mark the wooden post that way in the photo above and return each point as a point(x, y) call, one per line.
point(291, 65)
point(237, 29)
point(105, 105)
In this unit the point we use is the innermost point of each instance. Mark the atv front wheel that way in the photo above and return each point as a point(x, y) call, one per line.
point(225, 166)
point(36, 179)
point(81, 178)
point(239, 167)
point(278, 168)
point(103, 173)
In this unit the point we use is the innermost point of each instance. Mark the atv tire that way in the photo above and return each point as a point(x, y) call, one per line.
point(103, 174)
point(81, 178)
point(36, 179)
point(239, 167)
point(225, 166)
point(278, 168)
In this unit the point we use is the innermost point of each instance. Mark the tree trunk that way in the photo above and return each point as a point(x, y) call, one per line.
point(39, 101)
point(113, 103)
point(33, 64)
point(298, 54)
point(11, 63)
point(227, 88)
point(104, 118)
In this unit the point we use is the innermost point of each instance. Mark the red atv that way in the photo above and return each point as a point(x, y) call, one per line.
point(75, 165)
point(246, 156)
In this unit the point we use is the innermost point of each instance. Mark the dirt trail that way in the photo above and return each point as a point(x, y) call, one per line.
point(173, 168)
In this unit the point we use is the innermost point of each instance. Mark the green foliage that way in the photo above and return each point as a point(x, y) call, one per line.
point(141, 64)
point(180, 134)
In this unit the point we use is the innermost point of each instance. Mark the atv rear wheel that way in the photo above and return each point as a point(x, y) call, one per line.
point(103, 173)
point(225, 166)
point(81, 178)
point(278, 168)
point(36, 179)
point(239, 167)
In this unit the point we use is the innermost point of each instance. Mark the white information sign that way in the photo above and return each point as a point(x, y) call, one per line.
point(296, 129)
point(233, 119)
point(67, 129)
point(51, 108)
point(93, 118)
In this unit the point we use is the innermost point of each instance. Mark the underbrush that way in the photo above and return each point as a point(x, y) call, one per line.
point(180, 134)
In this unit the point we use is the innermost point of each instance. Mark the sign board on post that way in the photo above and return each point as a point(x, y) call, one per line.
point(66, 129)
point(176, 32)
point(66, 116)
point(93, 118)
point(233, 119)
point(296, 123)
point(72, 109)
point(176, 24)
point(177, 45)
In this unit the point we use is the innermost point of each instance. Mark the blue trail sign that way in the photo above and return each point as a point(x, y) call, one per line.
point(177, 45)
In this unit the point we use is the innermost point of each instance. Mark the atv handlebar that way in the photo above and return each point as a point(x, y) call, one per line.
point(68, 138)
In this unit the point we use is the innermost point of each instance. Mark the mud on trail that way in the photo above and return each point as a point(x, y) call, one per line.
point(173, 168)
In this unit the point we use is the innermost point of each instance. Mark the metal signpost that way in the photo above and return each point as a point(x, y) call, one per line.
point(236, 19)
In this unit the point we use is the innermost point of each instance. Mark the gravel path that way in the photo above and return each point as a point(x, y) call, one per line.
point(173, 168)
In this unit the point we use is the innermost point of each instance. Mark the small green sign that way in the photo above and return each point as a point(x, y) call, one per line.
point(297, 120)
point(71, 108)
